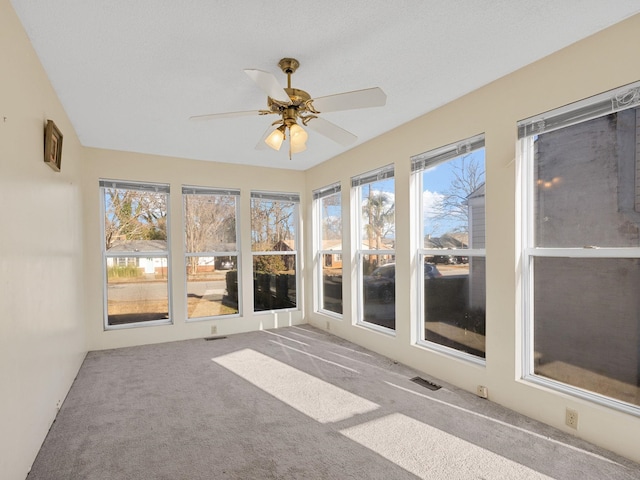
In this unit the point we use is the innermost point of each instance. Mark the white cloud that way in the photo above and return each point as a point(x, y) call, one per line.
point(429, 201)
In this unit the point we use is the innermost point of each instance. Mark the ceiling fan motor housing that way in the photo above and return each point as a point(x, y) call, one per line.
point(299, 99)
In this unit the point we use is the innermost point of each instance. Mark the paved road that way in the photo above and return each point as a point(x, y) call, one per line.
point(449, 270)
point(158, 290)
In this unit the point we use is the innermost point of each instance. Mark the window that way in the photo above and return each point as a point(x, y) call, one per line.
point(135, 253)
point(328, 210)
point(375, 251)
point(450, 188)
point(582, 247)
point(212, 251)
point(274, 243)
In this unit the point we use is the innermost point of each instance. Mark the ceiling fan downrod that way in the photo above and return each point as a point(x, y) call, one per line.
point(288, 67)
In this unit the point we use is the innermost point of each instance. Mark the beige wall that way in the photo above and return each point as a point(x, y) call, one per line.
point(597, 64)
point(106, 164)
point(42, 335)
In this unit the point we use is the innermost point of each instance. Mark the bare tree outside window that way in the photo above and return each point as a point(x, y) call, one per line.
point(274, 243)
point(272, 224)
point(211, 252)
point(452, 202)
point(451, 207)
point(210, 225)
point(136, 255)
point(134, 215)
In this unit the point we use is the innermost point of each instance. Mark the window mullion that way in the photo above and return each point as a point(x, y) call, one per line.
point(587, 252)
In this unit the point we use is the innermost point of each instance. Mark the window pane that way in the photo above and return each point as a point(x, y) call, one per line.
point(379, 290)
point(273, 225)
point(453, 218)
point(212, 279)
point(273, 229)
point(587, 328)
point(137, 290)
point(454, 303)
point(377, 271)
point(212, 286)
point(331, 283)
point(586, 187)
point(135, 220)
point(331, 221)
point(210, 223)
point(453, 203)
point(378, 215)
point(330, 238)
point(274, 282)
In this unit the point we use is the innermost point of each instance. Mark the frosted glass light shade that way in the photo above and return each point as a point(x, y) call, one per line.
point(298, 134)
point(298, 147)
point(298, 138)
point(275, 139)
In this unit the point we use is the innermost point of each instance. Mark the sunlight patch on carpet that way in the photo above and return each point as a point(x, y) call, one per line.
point(315, 398)
point(428, 452)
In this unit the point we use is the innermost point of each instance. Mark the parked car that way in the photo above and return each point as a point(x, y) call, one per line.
point(431, 271)
point(381, 284)
point(450, 259)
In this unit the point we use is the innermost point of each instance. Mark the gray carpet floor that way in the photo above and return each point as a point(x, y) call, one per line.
point(293, 403)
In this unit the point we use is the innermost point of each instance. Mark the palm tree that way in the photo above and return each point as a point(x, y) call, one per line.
point(379, 212)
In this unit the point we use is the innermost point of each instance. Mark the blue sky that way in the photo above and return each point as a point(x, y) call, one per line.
point(435, 182)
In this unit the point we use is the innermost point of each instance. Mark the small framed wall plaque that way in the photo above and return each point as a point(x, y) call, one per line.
point(52, 146)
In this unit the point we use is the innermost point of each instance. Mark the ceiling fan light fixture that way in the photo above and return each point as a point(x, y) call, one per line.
point(298, 134)
point(298, 147)
point(294, 105)
point(298, 138)
point(275, 138)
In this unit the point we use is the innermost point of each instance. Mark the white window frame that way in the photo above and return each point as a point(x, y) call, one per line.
point(318, 195)
point(195, 190)
point(357, 182)
point(282, 197)
point(612, 101)
point(419, 163)
point(140, 186)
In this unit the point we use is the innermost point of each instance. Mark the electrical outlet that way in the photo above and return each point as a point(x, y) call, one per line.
point(214, 329)
point(482, 391)
point(571, 418)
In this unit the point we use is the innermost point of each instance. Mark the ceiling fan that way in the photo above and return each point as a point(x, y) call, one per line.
point(293, 105)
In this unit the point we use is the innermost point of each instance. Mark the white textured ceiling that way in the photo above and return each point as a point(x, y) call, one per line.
point(131, 72)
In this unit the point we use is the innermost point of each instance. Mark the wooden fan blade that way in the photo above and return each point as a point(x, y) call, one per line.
point(269, 85)
point(369, 97)
point(332, 131)
point(212, 116)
